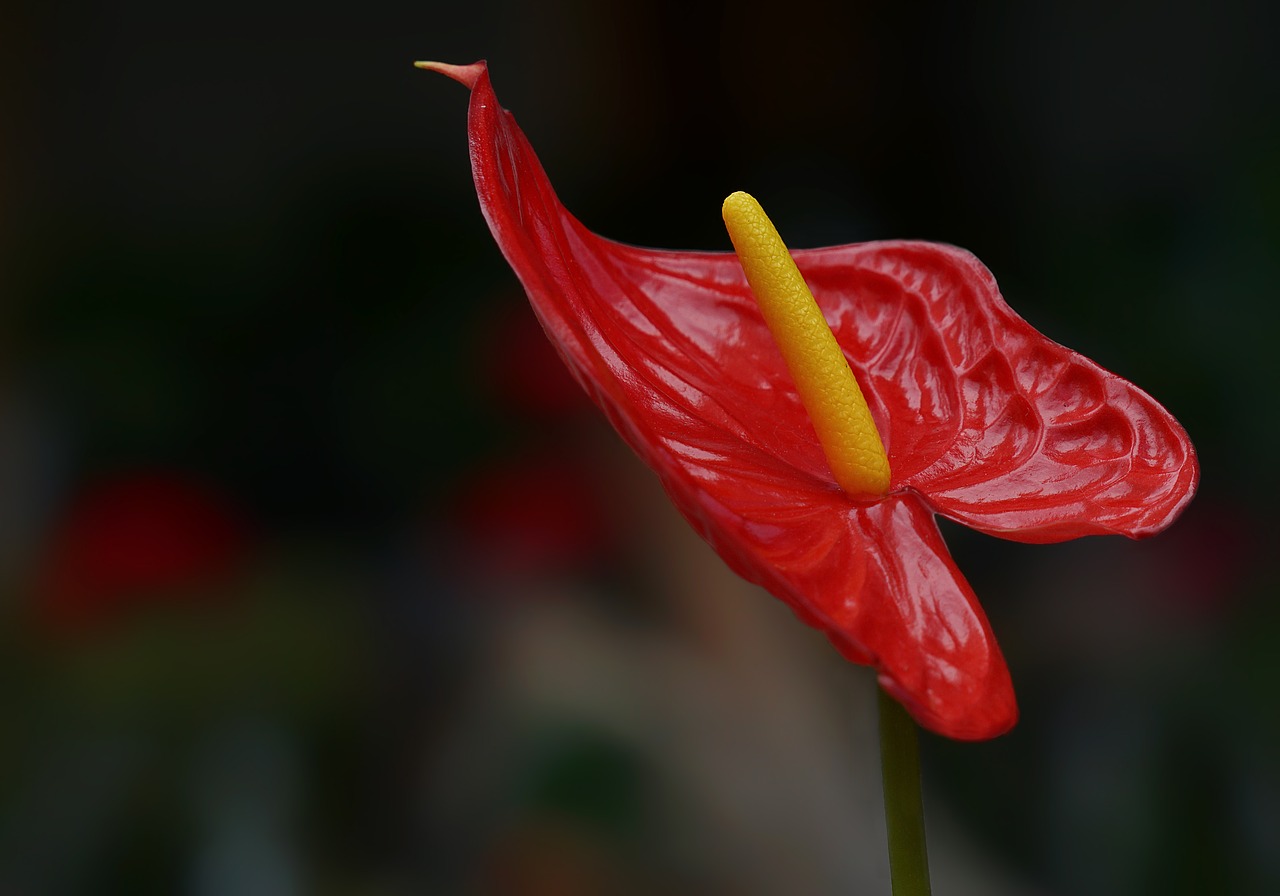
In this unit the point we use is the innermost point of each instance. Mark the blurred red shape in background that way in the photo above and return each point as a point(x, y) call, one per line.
point(136, 540)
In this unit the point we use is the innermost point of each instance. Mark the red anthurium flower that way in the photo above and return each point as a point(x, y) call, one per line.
point(984, 421)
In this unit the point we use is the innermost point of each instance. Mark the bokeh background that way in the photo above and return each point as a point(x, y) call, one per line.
point(318, 576)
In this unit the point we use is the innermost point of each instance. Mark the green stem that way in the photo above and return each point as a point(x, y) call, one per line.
point(903, 809)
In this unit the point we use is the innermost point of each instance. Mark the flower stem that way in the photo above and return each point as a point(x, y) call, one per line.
point(903, 808)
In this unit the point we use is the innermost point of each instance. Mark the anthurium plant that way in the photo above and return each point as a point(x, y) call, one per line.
point(811, 413)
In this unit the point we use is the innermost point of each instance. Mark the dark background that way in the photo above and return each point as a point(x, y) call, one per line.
point(318, 578)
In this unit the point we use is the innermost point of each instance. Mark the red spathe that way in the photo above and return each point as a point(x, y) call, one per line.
point(985, 421)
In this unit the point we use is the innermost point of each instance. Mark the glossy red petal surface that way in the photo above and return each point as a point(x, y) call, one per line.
point(984, 420)
point(877, 578)
point(997, 426)
point(1038, 443)
point(948, 670)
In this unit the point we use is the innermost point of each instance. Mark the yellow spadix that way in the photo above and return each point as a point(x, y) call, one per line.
point(827, 387)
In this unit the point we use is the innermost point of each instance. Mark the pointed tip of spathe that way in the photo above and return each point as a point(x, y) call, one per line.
point(466, 75)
